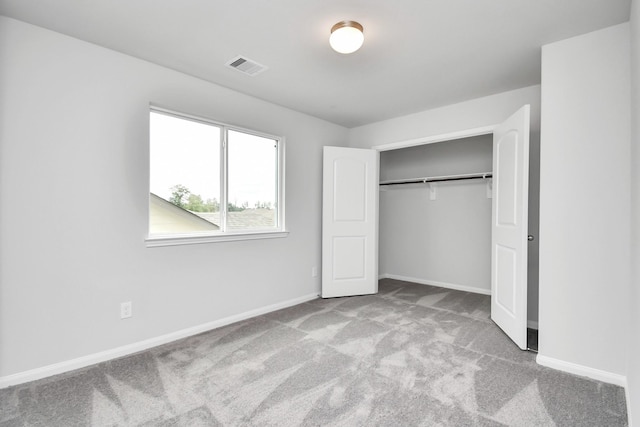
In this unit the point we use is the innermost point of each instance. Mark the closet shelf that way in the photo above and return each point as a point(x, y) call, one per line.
point(427, 179)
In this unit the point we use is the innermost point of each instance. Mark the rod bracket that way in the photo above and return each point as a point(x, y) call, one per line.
point(431, 186)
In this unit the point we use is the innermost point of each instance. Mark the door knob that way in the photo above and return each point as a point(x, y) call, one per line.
point(530, 238)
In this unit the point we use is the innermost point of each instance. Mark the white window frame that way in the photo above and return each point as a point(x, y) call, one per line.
point(155, 240)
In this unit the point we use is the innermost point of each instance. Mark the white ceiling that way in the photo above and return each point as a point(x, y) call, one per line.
point(418, 54)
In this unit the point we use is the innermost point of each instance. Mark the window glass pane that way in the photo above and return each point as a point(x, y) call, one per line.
point(185, 176)
point(252, 181)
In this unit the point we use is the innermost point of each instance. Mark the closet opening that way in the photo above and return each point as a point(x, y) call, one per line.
point(351, 230)
point(435, 217)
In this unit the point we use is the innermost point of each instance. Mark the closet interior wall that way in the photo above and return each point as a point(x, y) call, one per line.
point(446, 241)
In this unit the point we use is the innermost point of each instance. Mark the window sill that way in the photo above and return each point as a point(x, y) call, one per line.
point(177, 240)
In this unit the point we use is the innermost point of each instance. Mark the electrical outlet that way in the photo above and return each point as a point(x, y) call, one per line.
point(314, 271)
point(125, 310)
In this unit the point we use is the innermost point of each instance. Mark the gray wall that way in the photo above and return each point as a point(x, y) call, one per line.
point(74, 202)
point(585, 204)
point(446, 241)
point(633, 361)
point(459, 156)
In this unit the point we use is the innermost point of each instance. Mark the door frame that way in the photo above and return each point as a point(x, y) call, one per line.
point(451, 136)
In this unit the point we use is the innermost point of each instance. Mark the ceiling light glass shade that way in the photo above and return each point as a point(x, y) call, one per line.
point(346, 37)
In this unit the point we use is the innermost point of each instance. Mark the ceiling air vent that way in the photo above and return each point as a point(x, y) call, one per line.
point(246, 65)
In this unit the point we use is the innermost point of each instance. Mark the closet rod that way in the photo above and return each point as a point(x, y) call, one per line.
point(427, 179)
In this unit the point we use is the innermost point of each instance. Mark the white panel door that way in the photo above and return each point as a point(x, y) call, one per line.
point(349, 222)
point(509, 226)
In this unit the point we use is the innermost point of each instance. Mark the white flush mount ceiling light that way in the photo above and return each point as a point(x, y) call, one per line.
point(346, 36)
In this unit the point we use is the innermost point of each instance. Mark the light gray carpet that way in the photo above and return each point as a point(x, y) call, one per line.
point(412, 355)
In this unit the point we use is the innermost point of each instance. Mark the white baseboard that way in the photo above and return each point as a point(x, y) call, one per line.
point(585, 371)
point(91, 359)
point(436, 283)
